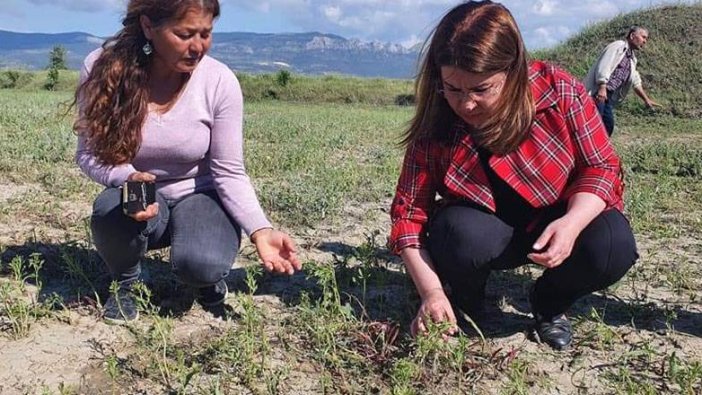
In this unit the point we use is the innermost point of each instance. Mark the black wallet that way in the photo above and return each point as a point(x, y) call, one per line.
point(137, 195)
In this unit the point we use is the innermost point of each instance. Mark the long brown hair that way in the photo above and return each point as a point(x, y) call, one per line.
point(478, 37)
point(113, 100)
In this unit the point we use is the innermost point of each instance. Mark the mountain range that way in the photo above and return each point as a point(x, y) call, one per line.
point(303, 53)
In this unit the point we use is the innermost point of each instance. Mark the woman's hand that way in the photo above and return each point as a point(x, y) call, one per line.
point(557, 239)
point(152, 209)
point(435, 305)
point(276, 250)
point(435, 308)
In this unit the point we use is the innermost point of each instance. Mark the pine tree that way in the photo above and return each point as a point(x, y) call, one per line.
point(57, 58)
point(57, 61)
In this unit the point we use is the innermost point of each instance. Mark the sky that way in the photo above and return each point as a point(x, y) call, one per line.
point(543, 23)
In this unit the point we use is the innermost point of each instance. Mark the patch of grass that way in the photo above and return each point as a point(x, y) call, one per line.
point(20, 306)
point(598, 334)
point(158, 357)
point(244, 352)
point(663, 183)
point(310, 162)
point(646, 370)
point(517, 379)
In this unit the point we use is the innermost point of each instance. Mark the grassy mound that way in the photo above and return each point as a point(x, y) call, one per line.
point(670, 64)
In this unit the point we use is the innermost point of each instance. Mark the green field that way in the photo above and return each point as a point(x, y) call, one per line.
point(326, 173)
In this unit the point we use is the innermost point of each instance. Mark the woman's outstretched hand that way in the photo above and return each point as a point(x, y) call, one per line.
point(276, 250)
point(435, 308)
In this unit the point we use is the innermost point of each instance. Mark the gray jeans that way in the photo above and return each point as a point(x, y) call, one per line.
point(204, 240)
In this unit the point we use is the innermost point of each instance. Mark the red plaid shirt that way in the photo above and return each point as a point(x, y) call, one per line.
point(567, 151)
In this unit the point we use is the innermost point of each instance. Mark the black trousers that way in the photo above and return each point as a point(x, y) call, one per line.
point(467, 243)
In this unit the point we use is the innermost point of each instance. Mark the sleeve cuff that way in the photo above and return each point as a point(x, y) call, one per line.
point(405, 234)
point(119, 174)
point(250, 227)
point(599, 182)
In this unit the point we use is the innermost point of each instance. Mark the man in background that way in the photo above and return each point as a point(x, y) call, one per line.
point(614, 74)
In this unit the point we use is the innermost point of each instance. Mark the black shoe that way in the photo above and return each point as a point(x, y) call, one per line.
point(212, 295)
point(555, 331)
point(121, 307)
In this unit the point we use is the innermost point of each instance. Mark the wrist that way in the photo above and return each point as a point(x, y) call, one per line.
point(574, 222)
point(258, 233)
point(132, 176)
point(427, 293)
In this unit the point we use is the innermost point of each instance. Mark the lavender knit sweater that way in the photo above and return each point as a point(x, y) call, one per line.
point(196, 146)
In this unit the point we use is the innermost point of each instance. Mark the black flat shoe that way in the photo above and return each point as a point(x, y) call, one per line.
point(556, 332)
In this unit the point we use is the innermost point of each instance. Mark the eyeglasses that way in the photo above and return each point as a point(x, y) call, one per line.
point(478, 94)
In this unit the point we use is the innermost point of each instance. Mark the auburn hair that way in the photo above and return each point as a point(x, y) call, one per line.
point(478, 37)
point(113, 99)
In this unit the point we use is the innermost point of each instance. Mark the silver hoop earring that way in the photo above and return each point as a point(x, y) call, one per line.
point(147, 49)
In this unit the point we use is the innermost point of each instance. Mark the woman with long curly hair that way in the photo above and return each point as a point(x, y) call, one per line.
point(507, 162)
point(154, 108)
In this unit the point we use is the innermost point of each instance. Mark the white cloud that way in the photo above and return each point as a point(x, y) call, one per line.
point(386, 20)
point(332, 13)
point(545, 36)
point(545, 7)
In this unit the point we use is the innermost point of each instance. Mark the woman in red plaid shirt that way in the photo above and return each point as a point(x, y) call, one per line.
point(507, 163)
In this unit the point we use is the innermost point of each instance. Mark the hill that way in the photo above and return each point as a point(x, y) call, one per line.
point(301, 53)
point(31, 50)
point(670, 64)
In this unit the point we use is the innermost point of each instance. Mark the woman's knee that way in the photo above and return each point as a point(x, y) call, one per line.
point(201, 268)
point(467, 236)
point(608, 248)
point(107, 204)
point(107, 223)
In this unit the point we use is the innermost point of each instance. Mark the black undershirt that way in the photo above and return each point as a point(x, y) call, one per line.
point(511, 207)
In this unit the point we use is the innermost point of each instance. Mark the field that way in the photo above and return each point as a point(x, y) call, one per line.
point(325, 172)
